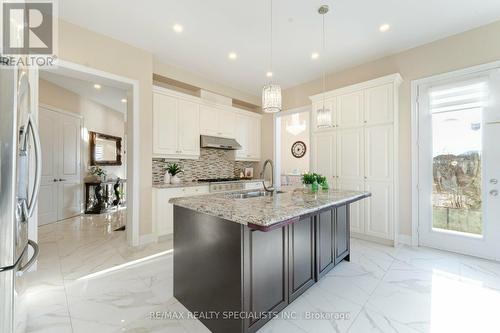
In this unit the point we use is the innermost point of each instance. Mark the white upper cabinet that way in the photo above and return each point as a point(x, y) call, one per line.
point(248, 134)
point(217, 122)
point(350, 109)
point(227, 121)
point(176, 127)
point(165, 121)
point(379, 104)
point(209, 120)
point(189, 132)
point(179, 120)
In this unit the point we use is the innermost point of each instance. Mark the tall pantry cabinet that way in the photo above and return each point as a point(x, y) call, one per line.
point(359, 151)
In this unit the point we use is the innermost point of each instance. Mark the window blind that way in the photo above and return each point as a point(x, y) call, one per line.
point(459, 96)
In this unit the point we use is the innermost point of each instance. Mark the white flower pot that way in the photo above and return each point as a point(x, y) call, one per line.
point(175, 179)
point(166, 178)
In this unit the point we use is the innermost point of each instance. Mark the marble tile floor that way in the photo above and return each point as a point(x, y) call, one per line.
point(89, 281)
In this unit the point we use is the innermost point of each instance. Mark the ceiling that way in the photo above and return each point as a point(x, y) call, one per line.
point(108, 95)
point(212, 29)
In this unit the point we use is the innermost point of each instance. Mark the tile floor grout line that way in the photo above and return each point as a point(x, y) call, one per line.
point(374, 289)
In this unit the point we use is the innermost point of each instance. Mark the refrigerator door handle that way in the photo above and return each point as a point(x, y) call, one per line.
point(29, 205)
point(36, 251)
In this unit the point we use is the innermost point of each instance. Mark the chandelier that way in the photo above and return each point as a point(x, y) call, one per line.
point(324, 114)
point(271, 92)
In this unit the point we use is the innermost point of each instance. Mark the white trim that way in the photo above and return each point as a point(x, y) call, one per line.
point(147, 239)
point(392, 78)
point(133, 136)
point(415, 130)
point(53, 108)
point(373, 239)
point(204, 102)
point(404, 239)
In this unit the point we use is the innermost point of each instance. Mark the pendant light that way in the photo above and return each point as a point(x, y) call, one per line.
point(271, 92)
point(324, 114)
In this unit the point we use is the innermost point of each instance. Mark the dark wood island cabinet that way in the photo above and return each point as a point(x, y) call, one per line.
point(241, 275)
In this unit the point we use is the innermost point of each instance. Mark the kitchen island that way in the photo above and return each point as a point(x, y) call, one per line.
point(241, 258)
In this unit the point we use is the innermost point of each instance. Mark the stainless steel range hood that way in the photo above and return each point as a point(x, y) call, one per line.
point(218, 142)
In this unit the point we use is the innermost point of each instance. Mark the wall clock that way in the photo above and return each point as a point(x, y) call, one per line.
point(299, 149)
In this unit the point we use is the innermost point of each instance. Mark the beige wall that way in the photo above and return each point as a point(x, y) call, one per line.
point(94, 50)
point(467, 49)
point(289, 163)
point(96, 118)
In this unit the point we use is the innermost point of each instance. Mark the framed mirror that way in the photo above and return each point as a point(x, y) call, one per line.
point(105, 149)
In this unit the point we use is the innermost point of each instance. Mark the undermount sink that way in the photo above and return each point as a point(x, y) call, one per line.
point(254, 194)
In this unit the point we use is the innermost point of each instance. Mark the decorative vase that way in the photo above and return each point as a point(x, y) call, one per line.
point(175, 180)
point(166, 178)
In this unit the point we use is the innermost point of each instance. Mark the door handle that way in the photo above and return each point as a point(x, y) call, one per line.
point(62, 180)
point(29, 205)
point(36, 252)
point(493, 181)
point(494, 193)
point(54, 180)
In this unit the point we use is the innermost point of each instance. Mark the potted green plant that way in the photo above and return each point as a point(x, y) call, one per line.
point(323, 182)
point(98, 173)
point(174, 169)
point(310, 181)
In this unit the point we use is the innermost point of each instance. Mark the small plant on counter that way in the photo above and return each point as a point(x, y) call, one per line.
point(309, 178)
point(323, 182)
point(97, 172)
point(173, 169)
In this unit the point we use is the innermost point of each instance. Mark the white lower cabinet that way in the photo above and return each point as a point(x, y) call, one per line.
point(379, 217)
point(163, 211)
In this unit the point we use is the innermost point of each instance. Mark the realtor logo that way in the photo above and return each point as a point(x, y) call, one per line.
point(28, 28)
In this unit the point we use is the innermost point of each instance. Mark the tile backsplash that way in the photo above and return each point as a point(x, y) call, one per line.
point(213, 163)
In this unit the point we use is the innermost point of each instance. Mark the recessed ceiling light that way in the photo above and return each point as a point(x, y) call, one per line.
point(269, 74)
point(178, 28)
point(124, 100)
point(314, 55)
point(97, 86)
point(384, 27)
point(232, 55)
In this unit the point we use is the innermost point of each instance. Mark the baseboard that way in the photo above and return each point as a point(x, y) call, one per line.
point(372, 239)
point(147, 239)
point(404, 239)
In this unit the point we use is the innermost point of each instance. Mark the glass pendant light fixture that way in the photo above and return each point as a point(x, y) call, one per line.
point(271, 92)
point(324, 114)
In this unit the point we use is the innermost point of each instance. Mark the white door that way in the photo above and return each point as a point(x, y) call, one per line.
point(69, 155)
point(379, 104)
point(61, 191)
point(47, 202)
point(189, 128)
point(459, 165)
point(357, 209)
point(165, 115)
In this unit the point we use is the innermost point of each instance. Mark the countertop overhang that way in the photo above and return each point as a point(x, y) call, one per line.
point(268, 212)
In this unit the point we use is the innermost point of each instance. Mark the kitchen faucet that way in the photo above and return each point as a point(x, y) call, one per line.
point(270, 188)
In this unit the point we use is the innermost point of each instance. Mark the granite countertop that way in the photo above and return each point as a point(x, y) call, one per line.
point(267, 210)
point(197, 183)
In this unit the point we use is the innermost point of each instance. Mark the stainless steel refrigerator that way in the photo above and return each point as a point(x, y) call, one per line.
point(20, 163)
